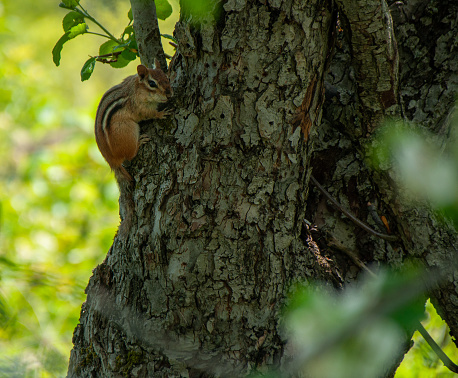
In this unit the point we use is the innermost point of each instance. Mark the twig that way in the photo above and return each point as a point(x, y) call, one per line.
point(437, 349)
point(87, 15)
point(355, 220)
point(353, 256)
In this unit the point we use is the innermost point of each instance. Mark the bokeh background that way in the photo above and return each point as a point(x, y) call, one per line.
point(58, 198)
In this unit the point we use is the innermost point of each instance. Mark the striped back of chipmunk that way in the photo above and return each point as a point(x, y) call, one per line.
point(112, 101)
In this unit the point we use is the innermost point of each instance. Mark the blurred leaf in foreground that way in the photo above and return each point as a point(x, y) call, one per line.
point(354, 333)
point(424, 168)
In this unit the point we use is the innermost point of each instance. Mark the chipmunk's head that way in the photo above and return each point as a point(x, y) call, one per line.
point(156, 82)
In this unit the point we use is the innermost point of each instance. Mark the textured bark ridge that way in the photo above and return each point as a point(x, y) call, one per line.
point(220, 202)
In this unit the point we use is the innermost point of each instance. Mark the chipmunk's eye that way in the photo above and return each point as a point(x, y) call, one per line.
point(152, 83)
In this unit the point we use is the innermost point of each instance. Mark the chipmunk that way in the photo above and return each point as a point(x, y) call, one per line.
point(117, 132)
point(121, 108)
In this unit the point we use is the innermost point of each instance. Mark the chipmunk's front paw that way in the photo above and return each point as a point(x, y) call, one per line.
point(143, 139)
point(165, 113)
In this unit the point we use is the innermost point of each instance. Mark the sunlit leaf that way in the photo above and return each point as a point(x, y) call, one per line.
point(107, 47)
point(163, 9)
point(77, 30)
point(72, 19)
point(69, 4)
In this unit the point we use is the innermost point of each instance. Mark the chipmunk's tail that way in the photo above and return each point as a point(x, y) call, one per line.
point(126, 201)
point(122, 175)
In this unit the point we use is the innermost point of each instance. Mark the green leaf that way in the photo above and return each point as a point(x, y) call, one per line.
point(77, 30)
point(200, 10)
point(87, 69)
point(121, 62)
point(72, 19)
point(69, 4)
point(58, 48)
point(130, 15)
point(133, 44)
point(163, 9)
point(121, 46)
point(351, 326)
point(129, 30)
point(107, 47)
point(128, 54)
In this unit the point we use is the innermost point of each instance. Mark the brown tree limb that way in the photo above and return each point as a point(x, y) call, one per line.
point(375, 55)
point(147, 33)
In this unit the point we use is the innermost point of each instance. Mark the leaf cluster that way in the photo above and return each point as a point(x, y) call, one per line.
point(118, 52)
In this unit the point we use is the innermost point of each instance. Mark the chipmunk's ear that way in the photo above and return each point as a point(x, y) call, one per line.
point(142, 71)
point(157, 65)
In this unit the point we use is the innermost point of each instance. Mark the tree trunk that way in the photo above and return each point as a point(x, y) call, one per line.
point(221, 190)
point(428, 82)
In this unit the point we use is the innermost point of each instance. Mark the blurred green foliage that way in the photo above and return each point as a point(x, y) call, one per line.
point(423, 165)
point(421, 361)
point(356, 332)
point(117, 51)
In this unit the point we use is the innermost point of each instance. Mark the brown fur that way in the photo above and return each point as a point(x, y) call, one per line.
point(121, 138)
point(117, 132)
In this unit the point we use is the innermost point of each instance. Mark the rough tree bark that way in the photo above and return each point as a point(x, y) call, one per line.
point(428, 82)
point(221, 190)
point(147, 33)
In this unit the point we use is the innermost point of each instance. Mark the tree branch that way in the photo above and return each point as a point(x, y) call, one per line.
point(375, 56)
point(147, 33)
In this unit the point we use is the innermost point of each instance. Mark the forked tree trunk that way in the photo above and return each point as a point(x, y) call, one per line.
point(427, 40)
point(221, 191)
